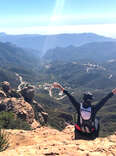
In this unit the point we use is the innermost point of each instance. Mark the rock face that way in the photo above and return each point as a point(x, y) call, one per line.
point(21, 104)
point(40, 113)
point(5, 86)
point(21, 108)
point(2, 94)
point(28, 93)
point(45, 141)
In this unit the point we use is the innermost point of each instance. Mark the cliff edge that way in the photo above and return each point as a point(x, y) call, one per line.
point(45, 141)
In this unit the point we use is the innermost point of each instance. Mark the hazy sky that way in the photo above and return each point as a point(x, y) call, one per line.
point(58, 16)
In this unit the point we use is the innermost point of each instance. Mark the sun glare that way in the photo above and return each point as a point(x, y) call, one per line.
point(57, 12)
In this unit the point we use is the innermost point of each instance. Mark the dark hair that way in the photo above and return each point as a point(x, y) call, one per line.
point(87, 96)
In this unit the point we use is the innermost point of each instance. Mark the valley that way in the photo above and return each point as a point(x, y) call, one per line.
point(86, 67)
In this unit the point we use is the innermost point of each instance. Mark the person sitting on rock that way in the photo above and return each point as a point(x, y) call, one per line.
point(87, 125)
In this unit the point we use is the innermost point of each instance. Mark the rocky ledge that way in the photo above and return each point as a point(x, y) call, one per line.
point(45, 141)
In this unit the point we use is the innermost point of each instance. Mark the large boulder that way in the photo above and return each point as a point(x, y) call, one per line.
point(28, 93)
point(7, 91)
point(21, 108)
point(5, 86)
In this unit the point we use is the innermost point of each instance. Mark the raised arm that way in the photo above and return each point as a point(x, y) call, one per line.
point(104, 100)
point(71, 98)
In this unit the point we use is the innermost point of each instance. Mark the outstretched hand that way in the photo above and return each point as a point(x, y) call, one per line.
point(114, 91)
point(57, 85)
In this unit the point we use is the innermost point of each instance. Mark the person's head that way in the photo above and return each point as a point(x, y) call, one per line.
point(87, 98)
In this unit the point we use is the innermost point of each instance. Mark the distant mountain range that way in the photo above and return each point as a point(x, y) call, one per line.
point(42, 43)
point(11, 54)
point(96, 51)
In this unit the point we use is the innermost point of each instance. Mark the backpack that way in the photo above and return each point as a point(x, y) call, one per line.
point(86, 122)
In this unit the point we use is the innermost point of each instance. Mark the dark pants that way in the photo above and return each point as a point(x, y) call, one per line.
point(86, 136)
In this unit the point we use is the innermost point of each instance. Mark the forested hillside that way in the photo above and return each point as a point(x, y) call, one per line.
point(14, 59)
point(98, 52)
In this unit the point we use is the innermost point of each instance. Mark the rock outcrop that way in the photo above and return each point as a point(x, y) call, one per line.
point(46, 141)
point(22, 104)
point(28, 93)
point(21, 108)
point(8, 91)
point(40, 112)
point(2, 94)
point(5, 86)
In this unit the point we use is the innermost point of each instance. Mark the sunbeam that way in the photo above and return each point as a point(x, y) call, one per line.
point(57, 12)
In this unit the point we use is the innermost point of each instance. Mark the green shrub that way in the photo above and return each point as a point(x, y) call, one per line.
point(9, 121)
point(19, 124)
point(3, 140)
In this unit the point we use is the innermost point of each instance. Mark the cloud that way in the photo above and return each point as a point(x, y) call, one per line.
point(102, 29)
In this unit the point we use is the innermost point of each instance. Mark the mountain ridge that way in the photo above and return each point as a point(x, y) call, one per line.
point(95, 51)
point(45, 42)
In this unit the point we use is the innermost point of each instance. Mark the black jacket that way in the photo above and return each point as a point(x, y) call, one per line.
point(95, 108)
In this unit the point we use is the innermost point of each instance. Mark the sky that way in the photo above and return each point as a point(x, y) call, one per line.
point(58, 16)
